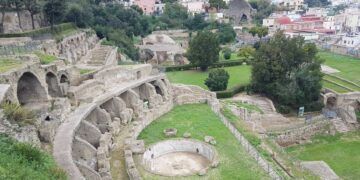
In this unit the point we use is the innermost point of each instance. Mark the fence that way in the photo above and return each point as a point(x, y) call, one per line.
point(215, 106)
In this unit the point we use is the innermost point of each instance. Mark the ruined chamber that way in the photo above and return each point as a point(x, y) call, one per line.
point(179, 157)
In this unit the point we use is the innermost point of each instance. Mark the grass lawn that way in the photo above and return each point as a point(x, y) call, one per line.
point(342, 82)
point(349, 67)
point(238, 75)
point(199, 120)
point(8, 64)
point(22, 161)
point(335, 87)
point(340, 152)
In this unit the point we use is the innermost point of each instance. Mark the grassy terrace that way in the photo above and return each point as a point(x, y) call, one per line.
point(335, 87)
point(349, 67)
point(22, 161)
point(200, 121)
point(8, 64)
point(341, 82)
point(238, 75)
point(340, 152)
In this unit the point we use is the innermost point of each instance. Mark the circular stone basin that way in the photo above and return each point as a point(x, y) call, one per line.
point(179, 157)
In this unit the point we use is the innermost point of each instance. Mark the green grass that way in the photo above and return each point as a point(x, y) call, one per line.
point(335, 87)
point(349, 67)
point(8, 64)
point(342, 82)
point(239, 75)
point(85, 71)
point(45, 58)
point(247, 106)
point(340, 152)
point(20, 161)
point(200, 121)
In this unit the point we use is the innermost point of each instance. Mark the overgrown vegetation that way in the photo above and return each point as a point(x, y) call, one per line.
point(263, 10)
point(23, 161)
point(8, 64)
point(45, 58)
point(288, 71)
point(18, 114)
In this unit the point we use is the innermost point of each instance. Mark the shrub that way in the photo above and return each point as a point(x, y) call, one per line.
point(227, 53)
point(284, 109)
point(218, 80)
point(314, 106)
point(16, 113)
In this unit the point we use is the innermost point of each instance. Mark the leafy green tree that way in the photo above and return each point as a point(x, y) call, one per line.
point(263, 10)
point(34, 8)
point(76, 14)
point(259, 31)
point(226, 33)
point(288, 71)
point(204, 50)
point(219, 4)
point(227, 53)
point(175, 15)
point(218, 80)
point(55, 11)
point(317, 3)
point(196, 23)
point(246, 52)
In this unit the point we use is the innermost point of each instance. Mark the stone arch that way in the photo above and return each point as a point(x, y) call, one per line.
point(331, 102)
point(30, 90)
point(64, 79)
point(53, 85)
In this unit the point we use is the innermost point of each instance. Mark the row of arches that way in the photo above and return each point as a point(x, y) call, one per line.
point(30, 89)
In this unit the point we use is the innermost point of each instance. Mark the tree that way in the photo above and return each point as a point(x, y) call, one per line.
point(259, 31)
point(317, 3)
point(246, 52)
point(227, 53)
point(4, 5)
point(54, 11)
point(79, 16)
point(226, 33)
point(34, 8)
point(288, 71)
point(204, 50)
point(196, 23)
point(218, 80)
point(18, 4)
point(219, 4)
point(263, 9)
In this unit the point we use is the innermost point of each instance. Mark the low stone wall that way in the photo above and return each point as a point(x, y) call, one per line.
point(178, 145)
point(299, 135)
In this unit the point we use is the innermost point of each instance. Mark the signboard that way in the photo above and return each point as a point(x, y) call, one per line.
point(301, 111)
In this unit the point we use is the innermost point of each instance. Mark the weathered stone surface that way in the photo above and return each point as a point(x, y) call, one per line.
point(202, 172)
point(187, 135)
point(208, 139)
point(138, 147)
point(170, 132)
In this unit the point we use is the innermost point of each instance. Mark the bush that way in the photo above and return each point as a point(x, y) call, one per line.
point(215, 65)
point(314, 106)
point(227, 53)
point(218, 80)
point(284, 109)
point(18, 114)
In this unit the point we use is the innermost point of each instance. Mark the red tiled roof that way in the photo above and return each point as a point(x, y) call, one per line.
point(283, 20)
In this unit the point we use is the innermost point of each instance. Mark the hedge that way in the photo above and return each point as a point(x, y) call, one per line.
point(38, 32)
point(215, 65)
point(231, 92)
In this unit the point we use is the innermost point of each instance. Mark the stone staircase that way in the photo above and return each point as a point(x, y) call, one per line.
point(265, 106)
point(99, 55)
point(340, 125)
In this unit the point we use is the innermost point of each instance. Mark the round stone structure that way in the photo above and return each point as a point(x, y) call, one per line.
point(179, 157)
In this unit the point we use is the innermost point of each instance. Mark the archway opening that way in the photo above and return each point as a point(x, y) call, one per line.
point(64, 79)
point(29, 89)
point(53, 86)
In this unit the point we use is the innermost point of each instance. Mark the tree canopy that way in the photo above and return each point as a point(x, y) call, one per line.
point(204, 50)
point(288, 71)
